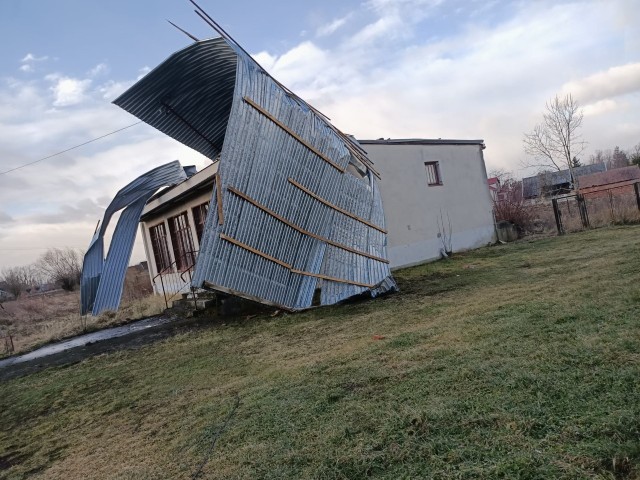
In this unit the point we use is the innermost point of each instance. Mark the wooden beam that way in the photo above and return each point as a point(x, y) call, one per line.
point(335, 207)
point(302, 230)
point(332, 279)
point(290, 267)
point(219, 198)
point(253, 250)
point(293, 134)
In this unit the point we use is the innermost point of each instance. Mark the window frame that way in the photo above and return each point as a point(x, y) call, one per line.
point(436, 176)
point(200, 213)
point(160, 247)
point(184, 253)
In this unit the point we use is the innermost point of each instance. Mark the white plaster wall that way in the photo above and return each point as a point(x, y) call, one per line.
point(412, 208)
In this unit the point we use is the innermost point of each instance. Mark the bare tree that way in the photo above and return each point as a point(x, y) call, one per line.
point(556, 141)
point(619, 159)
point(19, 279)
point(62, 266)
point(600, 156)
point(634, 155)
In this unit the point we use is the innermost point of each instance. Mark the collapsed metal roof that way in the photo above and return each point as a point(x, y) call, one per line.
point(102, 280)
point(296, 205)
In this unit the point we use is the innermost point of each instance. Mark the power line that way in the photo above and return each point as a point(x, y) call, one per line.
point(69, 149)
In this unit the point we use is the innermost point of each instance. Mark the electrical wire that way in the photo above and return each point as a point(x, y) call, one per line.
point(69, 149)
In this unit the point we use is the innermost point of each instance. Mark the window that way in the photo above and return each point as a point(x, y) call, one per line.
point(433, 173)
point(159, 246)
point(199, 218)
point(183, 250)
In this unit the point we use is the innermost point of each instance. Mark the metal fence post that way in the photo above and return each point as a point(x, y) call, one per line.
point(582, 208)
point(558, 215)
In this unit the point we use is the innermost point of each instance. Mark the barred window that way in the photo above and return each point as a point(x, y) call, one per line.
point(183, 250)
point(159, 246)
point(200, 218)
point(433, 173)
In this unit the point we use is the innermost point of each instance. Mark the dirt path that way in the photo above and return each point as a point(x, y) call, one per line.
point(76, 349)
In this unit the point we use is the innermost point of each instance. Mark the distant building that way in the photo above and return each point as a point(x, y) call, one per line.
point(494, 187)
point(552, 184)
point(620, 179)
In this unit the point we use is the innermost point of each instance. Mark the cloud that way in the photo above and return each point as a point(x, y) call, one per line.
point(332, 27)
point(68, 91)
point(142, 72)
point(600, 107)
point(84, 209)
point(111, 89)
point(5, 217)
point(488, 80)
point(98, 70)
point(30, 57)
point(615, 81)
point(28, 62)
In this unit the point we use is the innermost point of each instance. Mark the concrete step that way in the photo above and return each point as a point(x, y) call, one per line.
point(188, 304)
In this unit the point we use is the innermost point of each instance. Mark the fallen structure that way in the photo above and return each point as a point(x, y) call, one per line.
point(102, 279)
point(296, 212)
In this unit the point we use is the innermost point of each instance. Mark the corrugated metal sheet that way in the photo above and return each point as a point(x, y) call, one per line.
point(102, 280)
point(188, 97)
point(273, 142)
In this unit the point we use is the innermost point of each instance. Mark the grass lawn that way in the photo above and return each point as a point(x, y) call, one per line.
point(516, 361)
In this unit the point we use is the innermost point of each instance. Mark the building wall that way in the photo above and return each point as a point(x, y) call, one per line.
point(413, 209)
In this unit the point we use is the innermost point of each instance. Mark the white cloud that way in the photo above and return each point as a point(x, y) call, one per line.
point(332, 27)
point(487, 81)
point(111, 90)
point(265, 59)
point(600, 107)
point(29, 60)
point(68, 91)
point(30, 57)
point(142, 72)
point(98, 70)
point(615, 81)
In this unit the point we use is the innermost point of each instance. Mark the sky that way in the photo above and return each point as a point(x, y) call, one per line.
point(461, 69)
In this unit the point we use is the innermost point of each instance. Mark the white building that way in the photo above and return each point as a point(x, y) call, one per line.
point(435, 197)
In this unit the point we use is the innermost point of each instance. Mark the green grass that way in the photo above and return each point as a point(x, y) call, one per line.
point(516, 361)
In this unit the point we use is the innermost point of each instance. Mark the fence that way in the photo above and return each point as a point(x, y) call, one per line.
point(597, 208)
point(7, 344)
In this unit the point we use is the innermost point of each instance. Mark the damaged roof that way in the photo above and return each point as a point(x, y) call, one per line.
point(296, 210)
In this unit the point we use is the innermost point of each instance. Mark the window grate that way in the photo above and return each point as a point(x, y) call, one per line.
point(159, 246)
point(183, 250)
point(433, 173)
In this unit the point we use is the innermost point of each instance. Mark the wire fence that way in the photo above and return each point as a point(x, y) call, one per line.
point(591, 208)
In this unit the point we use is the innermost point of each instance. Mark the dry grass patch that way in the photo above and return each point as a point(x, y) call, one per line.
point(35, 320)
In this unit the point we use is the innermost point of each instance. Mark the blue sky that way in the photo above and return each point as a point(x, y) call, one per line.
point(378, 68)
